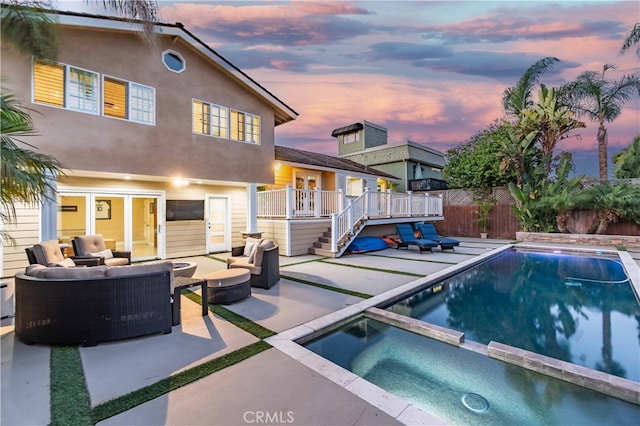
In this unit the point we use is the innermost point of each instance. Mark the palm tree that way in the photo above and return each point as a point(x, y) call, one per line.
point(25, 172)
point(516, 99)
point(612, 202)
point(561, 194)
point(601, 100)
point(632, 39)
point(26, 25)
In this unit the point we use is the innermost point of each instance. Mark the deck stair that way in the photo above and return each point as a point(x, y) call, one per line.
point(322, 247)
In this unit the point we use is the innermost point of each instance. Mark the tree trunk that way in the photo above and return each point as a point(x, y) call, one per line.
point(602, 151)
point(562, 219)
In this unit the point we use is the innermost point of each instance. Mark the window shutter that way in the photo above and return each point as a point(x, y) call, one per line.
point(48, 83)
point(115, 98)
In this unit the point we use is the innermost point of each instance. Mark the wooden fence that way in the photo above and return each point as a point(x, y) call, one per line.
point(460, 220)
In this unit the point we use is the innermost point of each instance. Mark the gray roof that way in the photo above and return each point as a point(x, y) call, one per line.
point(409, 151)
point(347, 129)
point(322, 160)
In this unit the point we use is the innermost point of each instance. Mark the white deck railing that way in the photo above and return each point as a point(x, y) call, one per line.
point(345, 214)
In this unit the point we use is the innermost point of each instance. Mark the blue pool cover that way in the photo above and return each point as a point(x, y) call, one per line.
point(362, 244)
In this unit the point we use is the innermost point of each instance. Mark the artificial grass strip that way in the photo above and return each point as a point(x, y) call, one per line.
point(242, 322)
point(369, 268)
point(140, 396)
point(235, 319)
point(219, 259)
point(70, 404)
point(328, 287)
point(426, 260)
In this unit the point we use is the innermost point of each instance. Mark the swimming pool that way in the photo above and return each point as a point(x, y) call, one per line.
point(292, 342)
point(461, 386)
point(575, 308)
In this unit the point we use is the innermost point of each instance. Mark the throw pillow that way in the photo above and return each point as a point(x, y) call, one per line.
point(107, 254)
point(252, 255)
point(249, 244)
point(67, 263)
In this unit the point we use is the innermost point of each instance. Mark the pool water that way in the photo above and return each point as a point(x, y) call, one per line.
point(573, 308)
point(461, 386)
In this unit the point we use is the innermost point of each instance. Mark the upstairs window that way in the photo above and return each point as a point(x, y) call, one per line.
point(173, 61)
point(210, 119)
point(129, 101)
point(245, 127)
point(77, 89)
point(65, 86)
point(350, 137)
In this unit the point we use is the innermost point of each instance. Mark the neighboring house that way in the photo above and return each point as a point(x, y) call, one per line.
point(418, 167)
point(162, 144)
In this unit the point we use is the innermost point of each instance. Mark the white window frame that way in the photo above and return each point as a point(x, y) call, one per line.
point(248, 120)
point(130, 101)
point(173, 52)
point(351, 137)
point(67, 88)
point(68, 92)
point(223, 122)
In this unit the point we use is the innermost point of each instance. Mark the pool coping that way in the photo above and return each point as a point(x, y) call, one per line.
point(288, 342)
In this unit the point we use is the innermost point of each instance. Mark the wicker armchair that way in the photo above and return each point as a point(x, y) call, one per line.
point(94, 245)
point(48, 253)
point(264, 265)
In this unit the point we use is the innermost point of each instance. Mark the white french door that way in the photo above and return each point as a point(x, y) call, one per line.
point(306, 183)
point(127, 221)
point(218, 213)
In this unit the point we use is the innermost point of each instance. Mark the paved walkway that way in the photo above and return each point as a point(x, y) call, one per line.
point(268, 386)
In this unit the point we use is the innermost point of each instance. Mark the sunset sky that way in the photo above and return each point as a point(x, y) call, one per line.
point(430, 71)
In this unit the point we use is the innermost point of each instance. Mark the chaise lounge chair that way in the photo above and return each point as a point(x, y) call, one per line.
point(407, 238)
point(428, 231)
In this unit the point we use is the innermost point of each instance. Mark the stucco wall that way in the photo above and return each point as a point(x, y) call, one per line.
point(94, 142)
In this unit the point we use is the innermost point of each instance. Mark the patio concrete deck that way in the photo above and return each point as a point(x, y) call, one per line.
point(267, 383)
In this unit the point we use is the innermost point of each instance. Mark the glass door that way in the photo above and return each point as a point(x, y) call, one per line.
point(306, 184)
point(109, 220)
point(126, 221)
point(71, 219)
point(144, 227)
point(218, 223)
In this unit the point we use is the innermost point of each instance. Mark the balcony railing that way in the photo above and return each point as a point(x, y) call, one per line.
point(345, 212)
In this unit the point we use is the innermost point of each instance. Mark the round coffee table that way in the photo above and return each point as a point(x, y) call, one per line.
point(228, 286)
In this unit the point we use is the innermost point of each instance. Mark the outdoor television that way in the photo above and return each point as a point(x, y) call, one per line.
point(185, 210)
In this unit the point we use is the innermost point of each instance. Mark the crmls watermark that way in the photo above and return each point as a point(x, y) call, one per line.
point(268, 417)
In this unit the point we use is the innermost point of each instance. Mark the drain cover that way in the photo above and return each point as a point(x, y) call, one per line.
point(476, 403)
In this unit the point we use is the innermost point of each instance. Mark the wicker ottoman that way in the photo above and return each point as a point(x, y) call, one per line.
point(228, 286)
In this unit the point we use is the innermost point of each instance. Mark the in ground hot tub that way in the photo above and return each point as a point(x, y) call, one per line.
point(462, 386)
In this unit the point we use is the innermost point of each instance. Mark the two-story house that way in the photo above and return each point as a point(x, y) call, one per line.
point(418, 167)
point(165, 145)
point(162, 143)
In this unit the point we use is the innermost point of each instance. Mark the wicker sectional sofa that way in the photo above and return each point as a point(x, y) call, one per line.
point(87, 305)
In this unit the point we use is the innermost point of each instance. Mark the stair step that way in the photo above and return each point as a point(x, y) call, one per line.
point(321, 252)
point(321, 245)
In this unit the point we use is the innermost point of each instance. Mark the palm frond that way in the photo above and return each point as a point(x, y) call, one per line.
point(517, 98)
point(632, 39)
point(26, 26)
